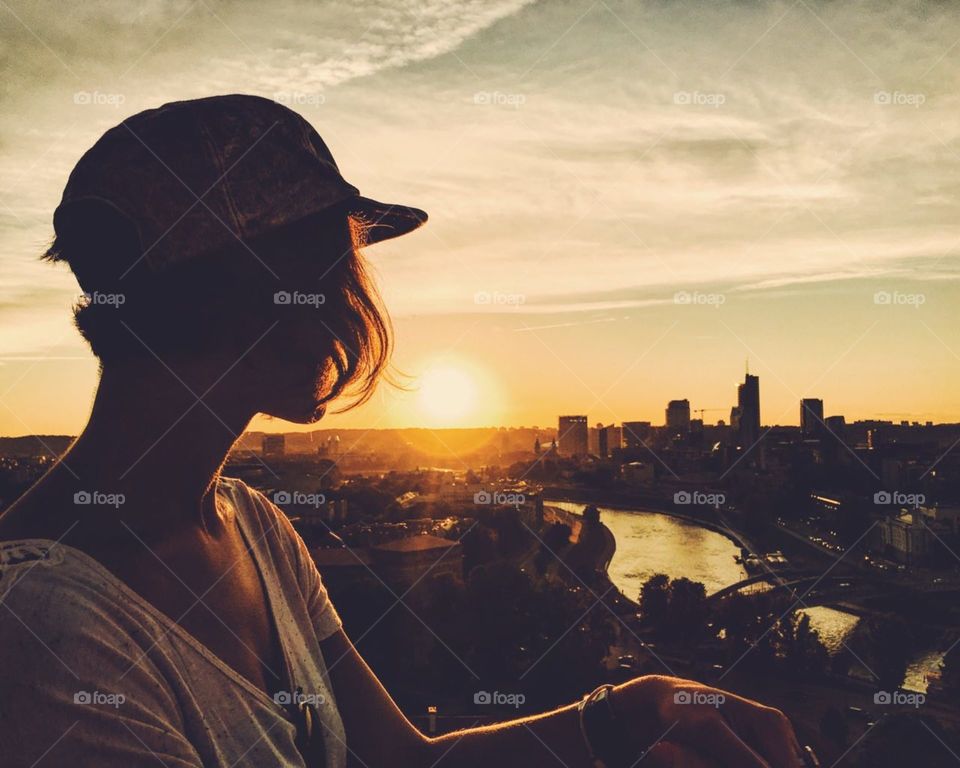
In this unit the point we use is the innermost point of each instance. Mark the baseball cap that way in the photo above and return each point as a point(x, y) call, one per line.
point(193, 177)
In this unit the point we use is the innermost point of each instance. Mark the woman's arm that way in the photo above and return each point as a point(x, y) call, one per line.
point(689, 724)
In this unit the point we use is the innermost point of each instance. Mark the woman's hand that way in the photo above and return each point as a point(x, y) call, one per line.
point(717, 725)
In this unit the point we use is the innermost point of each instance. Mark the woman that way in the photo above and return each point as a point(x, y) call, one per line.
point(156, 611)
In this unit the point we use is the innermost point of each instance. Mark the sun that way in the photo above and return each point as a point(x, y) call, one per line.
point(447, 394)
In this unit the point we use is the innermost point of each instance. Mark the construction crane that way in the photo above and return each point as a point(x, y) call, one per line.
point(701, 411)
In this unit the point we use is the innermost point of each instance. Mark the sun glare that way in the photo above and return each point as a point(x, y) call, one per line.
point(447, 395)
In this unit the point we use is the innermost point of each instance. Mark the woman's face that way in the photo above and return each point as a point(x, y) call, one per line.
point(290, 371)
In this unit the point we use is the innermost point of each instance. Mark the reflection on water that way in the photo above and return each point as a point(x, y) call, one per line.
point(650, 542)
point(835, 626)
point(832, 625)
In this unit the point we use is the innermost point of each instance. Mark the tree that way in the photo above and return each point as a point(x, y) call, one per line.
point(677, 608)
point(591, 514)
point(884, 644)
point(802, 651)
point(655, 598)
point(555, 540)
point(686, 617)
point(950, 673)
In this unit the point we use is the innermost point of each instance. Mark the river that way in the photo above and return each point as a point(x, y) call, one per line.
point(652, 542)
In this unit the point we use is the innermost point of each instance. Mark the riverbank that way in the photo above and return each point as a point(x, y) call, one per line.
point(591, 551)
point(648, 504)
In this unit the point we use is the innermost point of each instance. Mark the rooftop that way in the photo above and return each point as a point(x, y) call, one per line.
point(418, 543)
point(340, 557)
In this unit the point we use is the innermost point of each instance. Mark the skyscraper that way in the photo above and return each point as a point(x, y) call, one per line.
point(678, 416)
point(748, 403)
point(610, 439)
point(572, 436)
point(811, 417)
point(635, 433)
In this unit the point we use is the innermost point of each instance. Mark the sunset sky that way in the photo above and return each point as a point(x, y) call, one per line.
point(628, 200)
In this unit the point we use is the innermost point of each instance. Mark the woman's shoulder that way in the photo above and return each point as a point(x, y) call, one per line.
point(47, 584)
point(64, 614)
point(264, 522)
point(252, 505)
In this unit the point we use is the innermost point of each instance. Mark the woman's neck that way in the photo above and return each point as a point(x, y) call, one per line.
point(157, 440)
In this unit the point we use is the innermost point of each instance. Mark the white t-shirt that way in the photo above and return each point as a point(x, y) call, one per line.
point(93, 675)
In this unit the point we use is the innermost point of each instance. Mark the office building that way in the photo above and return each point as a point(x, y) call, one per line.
point(609, 439)
point(811, 417)
point(572, 437)
point(635, 434)
point(678, 416)
point(748, 403)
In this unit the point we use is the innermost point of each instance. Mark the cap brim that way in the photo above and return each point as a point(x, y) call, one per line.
point(385, 220)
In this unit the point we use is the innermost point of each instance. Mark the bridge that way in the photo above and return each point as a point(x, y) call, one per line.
point(819, 588)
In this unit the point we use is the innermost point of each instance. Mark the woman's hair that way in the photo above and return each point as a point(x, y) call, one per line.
point(235, 295)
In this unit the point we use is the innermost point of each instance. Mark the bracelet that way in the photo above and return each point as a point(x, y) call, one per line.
point(602, 732)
